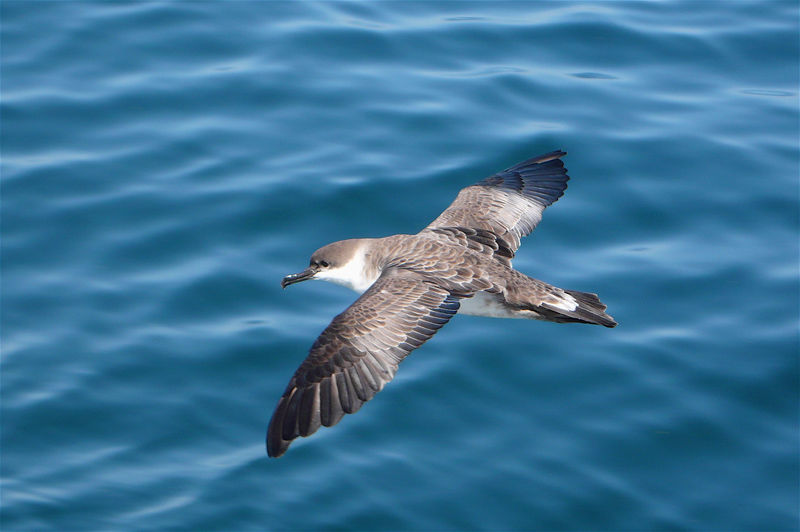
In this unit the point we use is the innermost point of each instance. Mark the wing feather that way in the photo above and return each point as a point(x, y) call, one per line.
point(509, 203)
point(349, 364)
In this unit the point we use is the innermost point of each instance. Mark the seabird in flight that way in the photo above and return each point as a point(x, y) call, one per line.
point(411, 285)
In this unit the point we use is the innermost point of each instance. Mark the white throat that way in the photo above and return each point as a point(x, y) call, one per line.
point(353, 274)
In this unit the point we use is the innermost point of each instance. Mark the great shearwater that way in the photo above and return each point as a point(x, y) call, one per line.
point(411, 285)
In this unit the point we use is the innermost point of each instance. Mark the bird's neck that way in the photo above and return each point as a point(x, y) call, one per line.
point(356, 274)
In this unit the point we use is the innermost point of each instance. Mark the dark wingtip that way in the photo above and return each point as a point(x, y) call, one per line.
point(276, 449)
point(276, 445)
point(539, 159)
point(555, 154)
point(542, 179)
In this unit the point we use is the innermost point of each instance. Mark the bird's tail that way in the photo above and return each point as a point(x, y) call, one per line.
point(539, 300)
point(535, 299)
point(590, 309)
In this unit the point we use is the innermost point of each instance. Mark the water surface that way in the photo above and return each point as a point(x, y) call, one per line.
point(165, 164)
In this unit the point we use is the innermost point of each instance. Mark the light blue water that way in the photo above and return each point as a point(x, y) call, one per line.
point(165, 164)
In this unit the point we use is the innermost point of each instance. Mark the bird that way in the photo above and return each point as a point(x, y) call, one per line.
point(412, 285)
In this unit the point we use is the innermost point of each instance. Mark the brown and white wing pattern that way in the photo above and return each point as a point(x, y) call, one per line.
point(358, 353)
point(509, 203)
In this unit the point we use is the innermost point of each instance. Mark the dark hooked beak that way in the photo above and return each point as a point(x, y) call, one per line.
point(306, 274)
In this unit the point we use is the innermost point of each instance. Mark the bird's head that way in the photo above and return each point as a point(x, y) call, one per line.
point(340, 262)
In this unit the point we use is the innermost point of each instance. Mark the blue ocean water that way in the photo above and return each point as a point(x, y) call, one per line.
point(165, 164)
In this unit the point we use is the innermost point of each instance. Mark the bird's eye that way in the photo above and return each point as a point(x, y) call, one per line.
point(324, 263)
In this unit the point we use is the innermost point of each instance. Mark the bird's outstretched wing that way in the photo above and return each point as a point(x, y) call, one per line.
point(509, 203)
point(359, 353)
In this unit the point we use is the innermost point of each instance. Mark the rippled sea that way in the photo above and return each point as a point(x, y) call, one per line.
point(164, 165)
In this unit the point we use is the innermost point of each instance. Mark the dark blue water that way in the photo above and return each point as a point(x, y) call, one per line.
point(164, 165)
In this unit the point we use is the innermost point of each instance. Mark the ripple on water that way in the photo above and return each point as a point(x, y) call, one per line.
point(158, 184)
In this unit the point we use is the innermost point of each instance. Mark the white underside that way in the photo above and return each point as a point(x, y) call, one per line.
point(485, 304)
